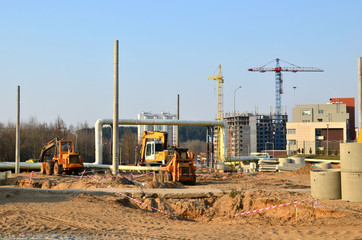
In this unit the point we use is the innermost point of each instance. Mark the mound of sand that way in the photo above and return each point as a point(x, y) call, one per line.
point(305, 170)
point(164, 185)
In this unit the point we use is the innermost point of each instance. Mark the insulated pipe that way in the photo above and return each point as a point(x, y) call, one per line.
point(101, 122)
point(37, 166)
point(115, 147)
point(360, 93)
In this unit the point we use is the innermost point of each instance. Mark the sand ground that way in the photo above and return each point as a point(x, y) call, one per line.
point(48, 215)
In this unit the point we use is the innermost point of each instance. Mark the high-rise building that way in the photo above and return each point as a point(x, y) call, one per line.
point(254, 133)
point(171, 130)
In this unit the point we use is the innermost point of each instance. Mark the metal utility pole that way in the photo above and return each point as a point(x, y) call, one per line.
point(115, 147)
point(17, 144)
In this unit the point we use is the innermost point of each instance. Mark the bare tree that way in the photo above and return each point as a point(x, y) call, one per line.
point(195, 146)
point(128, 144)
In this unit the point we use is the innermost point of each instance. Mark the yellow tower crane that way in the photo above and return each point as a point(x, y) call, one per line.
point(220, 113)
point(220, 81)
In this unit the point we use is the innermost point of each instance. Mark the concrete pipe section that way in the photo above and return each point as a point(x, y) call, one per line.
point(324, 166)
point(351, 186)
point(351, 167)
point(351, 157)
point(325, 184)
point(284, 160)
point(297, 160)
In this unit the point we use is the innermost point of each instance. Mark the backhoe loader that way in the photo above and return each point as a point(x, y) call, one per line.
point(64, 160)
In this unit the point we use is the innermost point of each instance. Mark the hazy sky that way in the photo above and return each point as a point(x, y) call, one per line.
point(61, 54)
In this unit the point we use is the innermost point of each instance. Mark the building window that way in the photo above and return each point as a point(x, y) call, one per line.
point(320, 111)
point(291, 131)
point(305, 112)
point(305, 120)
point(320, 120)
point(292, 142)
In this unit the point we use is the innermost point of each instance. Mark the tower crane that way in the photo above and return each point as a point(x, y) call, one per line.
point(220, 81)
point(279, 87)
point(220, 114)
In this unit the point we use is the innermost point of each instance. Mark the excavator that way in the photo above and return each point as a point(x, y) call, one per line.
point(64, 160)
point(174, 160)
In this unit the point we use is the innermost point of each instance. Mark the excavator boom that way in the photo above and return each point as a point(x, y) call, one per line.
point(52, 143)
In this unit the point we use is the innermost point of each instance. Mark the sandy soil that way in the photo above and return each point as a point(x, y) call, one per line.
point(44, 215)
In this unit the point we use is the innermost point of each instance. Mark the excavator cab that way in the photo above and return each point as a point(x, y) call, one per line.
point(66, 146)
point(153, 150)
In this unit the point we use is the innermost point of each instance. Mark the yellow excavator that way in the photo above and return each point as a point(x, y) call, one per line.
point(64, 160)
point(174, 160)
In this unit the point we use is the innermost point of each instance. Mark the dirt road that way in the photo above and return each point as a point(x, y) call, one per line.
point(25, 214)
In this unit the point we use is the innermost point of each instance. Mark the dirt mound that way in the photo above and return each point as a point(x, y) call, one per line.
point(305, 170)
point(224, 208)
point(114, 181)
point(12, 181)
point(164, 185)
point(218, 176)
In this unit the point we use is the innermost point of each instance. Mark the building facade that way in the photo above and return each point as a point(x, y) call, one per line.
point(318, 128)
point(254, 133)
point(351, 111)
point(171, 130)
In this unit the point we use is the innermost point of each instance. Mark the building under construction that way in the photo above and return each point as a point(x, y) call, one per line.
point(250, 132)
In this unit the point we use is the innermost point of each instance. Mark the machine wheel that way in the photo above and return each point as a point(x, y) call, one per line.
point(49, 168)
point(193, 179)
point(58, 169)
point(43, 168)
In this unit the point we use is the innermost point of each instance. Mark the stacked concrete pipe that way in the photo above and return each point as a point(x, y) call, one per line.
point(351, 156)
point(351, 168)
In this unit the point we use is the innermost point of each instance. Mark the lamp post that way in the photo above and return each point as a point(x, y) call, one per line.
point(234, 97)
point(272, 146)
point(235, 122)
point(327, 139)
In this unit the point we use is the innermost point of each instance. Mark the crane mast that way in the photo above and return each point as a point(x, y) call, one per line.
point(220, 81)
point(220, 114)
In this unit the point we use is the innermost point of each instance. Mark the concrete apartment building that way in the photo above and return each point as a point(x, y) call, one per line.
point(319, 128)
point(171, 130)
point(254, 133)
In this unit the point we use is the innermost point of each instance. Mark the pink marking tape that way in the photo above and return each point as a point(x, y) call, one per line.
point(267, 208)
point(31, 177)
point(142, 175)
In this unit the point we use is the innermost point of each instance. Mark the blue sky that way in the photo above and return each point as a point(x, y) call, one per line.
point(61, 54)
